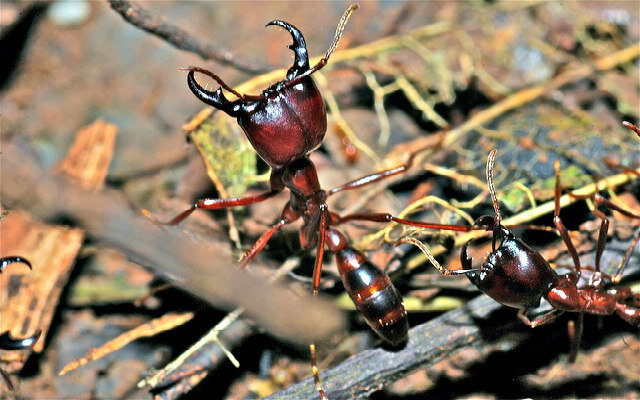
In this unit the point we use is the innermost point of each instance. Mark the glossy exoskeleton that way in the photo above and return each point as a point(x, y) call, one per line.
point(517, 276)
point(8, 342)
point(284, 124)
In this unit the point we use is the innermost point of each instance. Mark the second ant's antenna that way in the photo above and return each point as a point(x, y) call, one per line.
point(492, 190)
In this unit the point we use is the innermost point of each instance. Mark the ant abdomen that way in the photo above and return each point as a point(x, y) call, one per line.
point(374, 295)
point(371, 290)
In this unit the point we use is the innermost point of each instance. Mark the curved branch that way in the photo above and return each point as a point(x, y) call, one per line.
point(141, 18)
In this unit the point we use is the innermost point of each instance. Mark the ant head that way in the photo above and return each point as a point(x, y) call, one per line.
point(287, 120)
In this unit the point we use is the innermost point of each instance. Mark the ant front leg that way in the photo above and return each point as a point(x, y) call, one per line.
point(219, 204)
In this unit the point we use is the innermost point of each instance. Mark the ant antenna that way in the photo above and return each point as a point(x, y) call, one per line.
point(341, 25)
point(336, 38)
point(492, 190)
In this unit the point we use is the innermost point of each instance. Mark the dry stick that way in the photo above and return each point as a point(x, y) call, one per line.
point(182, 374)
point(525, 96)
point(204, 269)
point(181, 39)
point(370, 370)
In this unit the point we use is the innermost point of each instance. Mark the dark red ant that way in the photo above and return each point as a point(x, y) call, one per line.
point(284, 124)
point(7, 342)
point(517, 276)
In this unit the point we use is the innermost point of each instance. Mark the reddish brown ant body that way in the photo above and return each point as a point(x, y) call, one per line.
point(284, 124)
point(8, 342)
point(517, 276)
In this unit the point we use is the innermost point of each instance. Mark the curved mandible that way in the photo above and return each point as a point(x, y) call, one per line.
point(4, 261)
point(215, 99)
point(299, 47)
point(7, 342)
point(465, 260)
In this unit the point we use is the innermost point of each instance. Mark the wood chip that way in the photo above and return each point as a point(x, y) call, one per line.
point(151, 328)
point(29, 298)
point(87, 162)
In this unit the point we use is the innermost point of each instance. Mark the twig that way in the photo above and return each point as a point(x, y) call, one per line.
point(138, 16)
point(370, 370)
point(205, 269)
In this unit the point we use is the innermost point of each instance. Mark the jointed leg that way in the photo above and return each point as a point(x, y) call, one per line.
point(558, 222)
point(385, 217)
point(541, 320)
point(575, 336)
point(378, 176)
point(260, 243)
point(602, 236)
point(218, 204)
point(317, 270)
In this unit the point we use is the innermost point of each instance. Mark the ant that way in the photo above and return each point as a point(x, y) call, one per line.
point(284, 124)
point(517, 276)
point(7, 342)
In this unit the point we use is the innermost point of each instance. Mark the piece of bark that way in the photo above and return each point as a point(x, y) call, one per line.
point(371, 370)
point(88, 159)
point(206, 269)
point(29, 298)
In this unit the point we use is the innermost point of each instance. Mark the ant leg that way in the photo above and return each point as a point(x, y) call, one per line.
point(625, 260)
point(574, 329)
point(386, 217)
point(602, 236)
point(216, 204)
point(368, 179)
point(541, 320)
point(558, 222)
point(317, 270)
point(259, 244)
point(288, 215)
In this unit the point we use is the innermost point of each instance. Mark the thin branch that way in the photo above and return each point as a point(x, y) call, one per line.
point(181, 39)
point(371, 370)
point(205, 269)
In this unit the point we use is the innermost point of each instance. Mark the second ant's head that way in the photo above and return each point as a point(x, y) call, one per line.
point(288, 120)
point(513, 273)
